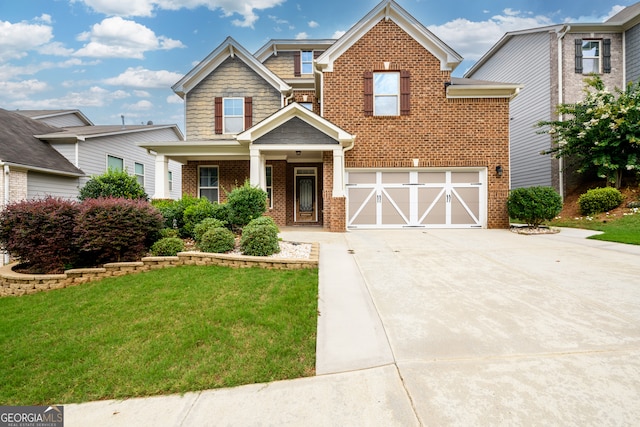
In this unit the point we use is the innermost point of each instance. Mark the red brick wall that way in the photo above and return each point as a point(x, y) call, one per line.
point(439, 131)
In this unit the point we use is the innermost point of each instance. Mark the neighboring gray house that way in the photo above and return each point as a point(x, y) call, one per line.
point(552, 63)
point(89, 149)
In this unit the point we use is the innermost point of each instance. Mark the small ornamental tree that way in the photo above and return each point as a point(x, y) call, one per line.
point(113, 183)
point(601, 132)
point(534, 205)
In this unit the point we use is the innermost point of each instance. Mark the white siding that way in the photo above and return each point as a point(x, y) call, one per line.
point(93, 156)
point(68, 151)
point(40, 185)
point(525, 59)
point(63, 121)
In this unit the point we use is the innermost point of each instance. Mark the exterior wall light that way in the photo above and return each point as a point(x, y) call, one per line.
point(499, 170)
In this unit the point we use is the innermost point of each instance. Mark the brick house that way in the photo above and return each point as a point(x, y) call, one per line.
point(565, 54)
point(369, 130)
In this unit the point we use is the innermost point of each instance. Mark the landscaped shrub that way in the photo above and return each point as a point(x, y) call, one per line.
point(116, 230)
point(206, 225)
point(534, 205)
point(169, 232)
point(217, 240)
point(40, 233)
point(113, 183)
point(173, 211)
point(195, 213)
point(260, 237)
point(599, 200)
point(246, 203)
point(167, 246)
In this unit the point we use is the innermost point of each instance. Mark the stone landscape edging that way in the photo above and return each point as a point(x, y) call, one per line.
point(17, 284)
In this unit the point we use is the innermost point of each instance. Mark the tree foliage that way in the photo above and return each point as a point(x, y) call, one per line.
point(601, 132)
point(113, 183)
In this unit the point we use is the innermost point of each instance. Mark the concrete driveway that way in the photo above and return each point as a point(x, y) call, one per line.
point(445, 327)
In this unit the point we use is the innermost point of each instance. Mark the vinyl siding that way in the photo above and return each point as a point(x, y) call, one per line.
point(40, 185)
point(525, 60)
point(633, 54)
point(93, 156)
point(63, 121)
point(68, 151)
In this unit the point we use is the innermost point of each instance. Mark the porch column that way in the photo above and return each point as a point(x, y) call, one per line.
point(162, 177)
point(338, 172)
point(257, 169)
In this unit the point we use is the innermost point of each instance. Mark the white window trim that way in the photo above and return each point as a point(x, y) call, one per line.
point(224, 116)
point(598, 57)
point(395, 95)
point(303, 62)
point(170, 180)
point(114, 157)
point(207, 188)
point(269, 167)
point(137, 175)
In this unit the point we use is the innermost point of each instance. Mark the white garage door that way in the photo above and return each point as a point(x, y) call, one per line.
point(423, 198)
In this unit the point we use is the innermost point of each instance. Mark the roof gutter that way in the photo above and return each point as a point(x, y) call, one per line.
point(560, 36)
point(5, 202)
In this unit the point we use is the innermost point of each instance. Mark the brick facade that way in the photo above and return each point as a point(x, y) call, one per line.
point(440, 132)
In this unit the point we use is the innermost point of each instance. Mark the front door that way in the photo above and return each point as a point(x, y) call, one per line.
point(306, 205)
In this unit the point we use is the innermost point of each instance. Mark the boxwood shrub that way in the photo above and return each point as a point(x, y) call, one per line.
point(217, 240)
point(534, 205)
point(599, 200)
point(167, 246)
point(260, 237)
point(206, 225)
point(245, 204)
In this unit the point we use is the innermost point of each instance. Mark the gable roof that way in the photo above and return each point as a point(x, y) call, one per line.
point(628, 17)
point(272, 47)
point(389, 9)
point(43, 114)
point(19, 146)
point(287, 113)
point(228, 48)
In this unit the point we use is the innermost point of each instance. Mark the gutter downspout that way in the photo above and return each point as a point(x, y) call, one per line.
point(563, 31)
point(5, 201)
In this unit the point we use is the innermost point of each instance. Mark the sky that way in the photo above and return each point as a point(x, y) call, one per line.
point(113, 58)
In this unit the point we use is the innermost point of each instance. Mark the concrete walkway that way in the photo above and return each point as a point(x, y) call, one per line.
point(444, 327)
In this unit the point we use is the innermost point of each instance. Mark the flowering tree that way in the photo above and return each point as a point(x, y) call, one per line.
point(601, 132)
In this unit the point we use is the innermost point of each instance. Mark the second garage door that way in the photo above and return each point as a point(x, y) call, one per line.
point(423, 198)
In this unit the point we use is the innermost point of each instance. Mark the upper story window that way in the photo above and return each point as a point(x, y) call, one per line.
point(386, 94)
point(307, 105)
point(593, 56)
point(115, 163)
point(233, 115)
point(306, 62)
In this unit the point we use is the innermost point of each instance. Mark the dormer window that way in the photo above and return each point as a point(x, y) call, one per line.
point(593, 56)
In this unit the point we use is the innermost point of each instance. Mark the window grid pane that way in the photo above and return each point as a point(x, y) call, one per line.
point(591, 56)
point(233, 115)
point(115, 163)
point(386, 91)
point(306, 62)
point(269, 173)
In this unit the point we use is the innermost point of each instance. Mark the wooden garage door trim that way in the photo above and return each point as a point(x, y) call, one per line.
point(431, 198)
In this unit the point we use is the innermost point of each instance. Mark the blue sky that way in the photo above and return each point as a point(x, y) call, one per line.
point(120, 57)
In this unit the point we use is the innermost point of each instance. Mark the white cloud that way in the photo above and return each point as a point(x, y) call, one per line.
point(93, 97)
point(120, 38)
point(55, 48)
point(142, 93)
point(302, 36)
point(140, 77)
point(128, 8)
point(313, 24)
point(45, 17)
point(472, 39)
point(142, 105)
point(174, 99)
point(338, 34)
point(19, 38)
point(21, 89)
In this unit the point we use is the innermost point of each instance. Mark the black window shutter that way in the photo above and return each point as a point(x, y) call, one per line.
point(405, 92)
point(579, 56)
point(296, 64)
point(368, 93)
point(248, 112)
point(218, 115)
point(606, 55)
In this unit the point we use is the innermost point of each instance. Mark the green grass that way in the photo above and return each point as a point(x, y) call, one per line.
point(166, 331)
point(624, 229)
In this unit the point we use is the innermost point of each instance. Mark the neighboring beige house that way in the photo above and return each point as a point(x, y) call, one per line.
point(552, 63)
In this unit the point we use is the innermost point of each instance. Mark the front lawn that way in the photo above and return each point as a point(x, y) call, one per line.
point(621, 229)
point(165, 331)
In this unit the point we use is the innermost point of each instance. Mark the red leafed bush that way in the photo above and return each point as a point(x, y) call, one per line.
point(41, 233)
point(116, 230)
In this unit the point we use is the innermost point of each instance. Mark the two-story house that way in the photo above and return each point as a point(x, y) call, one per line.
point(369, 130)
point(552, 63)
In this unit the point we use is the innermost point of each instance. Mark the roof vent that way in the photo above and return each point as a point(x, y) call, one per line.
point(122, 117)
point(150, 123)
